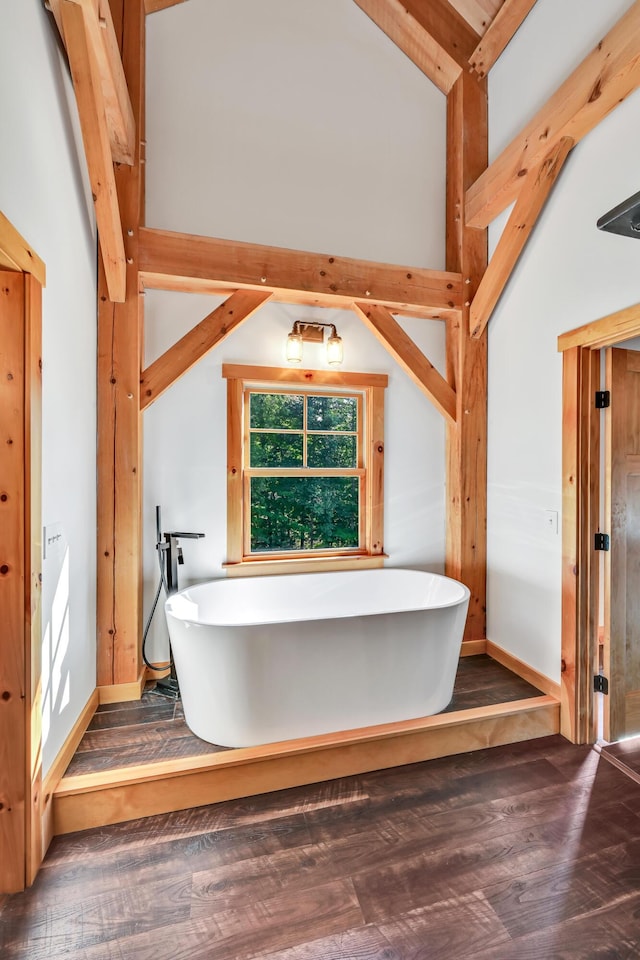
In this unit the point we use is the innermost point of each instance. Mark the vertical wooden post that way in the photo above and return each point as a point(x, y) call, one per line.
point(36, 843)
point(12, 584)
point(20, 582)
point(466, 557)
point(120, 330)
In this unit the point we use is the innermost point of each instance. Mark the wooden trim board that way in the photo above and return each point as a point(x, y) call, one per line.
point(96, 799)
point(580, 511)
point(471, 648)
point(14, 586)
point(522, 669)
point(605, 332)
point(17, 254)
point(123, 692)
point(262, 568)
point(20, 573)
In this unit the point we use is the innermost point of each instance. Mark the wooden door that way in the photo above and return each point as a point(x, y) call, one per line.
point(622, 561)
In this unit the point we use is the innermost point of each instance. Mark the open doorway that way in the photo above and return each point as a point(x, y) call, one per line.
point(601, 529)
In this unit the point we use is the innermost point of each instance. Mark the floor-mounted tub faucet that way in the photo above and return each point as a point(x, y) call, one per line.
point(169, 556)
point(173, 556)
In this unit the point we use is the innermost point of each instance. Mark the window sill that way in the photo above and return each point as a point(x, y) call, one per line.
point(255, 568)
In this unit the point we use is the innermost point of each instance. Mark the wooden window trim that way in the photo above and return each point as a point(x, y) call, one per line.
point(371, 387)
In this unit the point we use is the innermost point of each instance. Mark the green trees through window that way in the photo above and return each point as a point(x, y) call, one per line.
point(296, 513)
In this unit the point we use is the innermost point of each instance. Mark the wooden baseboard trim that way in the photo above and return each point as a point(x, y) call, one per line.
point(123, 692)
point(56, 771)
point(92, 800)
point(523, 670)
point(471, 648)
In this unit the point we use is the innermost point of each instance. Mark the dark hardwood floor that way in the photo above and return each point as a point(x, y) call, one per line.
point(128, 734)
point(529, 851)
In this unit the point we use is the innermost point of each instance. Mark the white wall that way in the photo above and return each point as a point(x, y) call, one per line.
point(44, 193)
point(295, 124)
point(570, 273)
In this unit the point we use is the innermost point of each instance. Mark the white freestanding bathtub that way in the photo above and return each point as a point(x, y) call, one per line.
point(262, 659)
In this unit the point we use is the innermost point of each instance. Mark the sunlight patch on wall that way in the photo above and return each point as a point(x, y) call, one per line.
point(56, 680)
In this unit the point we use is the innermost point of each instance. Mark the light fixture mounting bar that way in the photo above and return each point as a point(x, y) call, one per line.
point(311, 332)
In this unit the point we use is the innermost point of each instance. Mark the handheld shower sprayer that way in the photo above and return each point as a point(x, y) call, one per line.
point(170, 556)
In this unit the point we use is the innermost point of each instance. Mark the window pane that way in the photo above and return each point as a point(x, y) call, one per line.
point(276, 450)
point(303, 513)
point(331, 450)
point(332, 413)
point(276, 411)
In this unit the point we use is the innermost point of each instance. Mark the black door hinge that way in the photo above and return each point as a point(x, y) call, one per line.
point(601, 541)
point(600, 684)
point(603, 399)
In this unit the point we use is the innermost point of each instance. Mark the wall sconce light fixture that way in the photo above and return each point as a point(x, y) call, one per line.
point(314, 333)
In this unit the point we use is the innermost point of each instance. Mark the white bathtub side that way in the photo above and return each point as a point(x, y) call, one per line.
point(249, 685)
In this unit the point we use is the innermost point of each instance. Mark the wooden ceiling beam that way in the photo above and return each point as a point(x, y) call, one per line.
point(195, 344)
point(449, 29)
point(498, 34)
point(531, 200)
point(392, 17)
point(602, 81)
point(403, 349)
point(86, 82)
point(180, 261)
point(477, 13)
point(113, 85)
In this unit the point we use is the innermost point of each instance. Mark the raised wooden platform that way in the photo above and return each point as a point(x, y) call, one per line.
point(114, 792)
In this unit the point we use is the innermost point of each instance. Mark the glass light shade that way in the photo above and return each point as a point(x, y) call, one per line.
point(294, 348)
point(334, 351)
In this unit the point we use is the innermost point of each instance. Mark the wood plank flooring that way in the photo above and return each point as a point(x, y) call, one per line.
point(625, 755)
point(529, 851)
point(129, 734)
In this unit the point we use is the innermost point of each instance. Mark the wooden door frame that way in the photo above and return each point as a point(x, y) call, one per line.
point(580, 513)
point(22, 819)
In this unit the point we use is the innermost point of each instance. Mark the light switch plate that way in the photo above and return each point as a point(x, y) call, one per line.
point(52, 540)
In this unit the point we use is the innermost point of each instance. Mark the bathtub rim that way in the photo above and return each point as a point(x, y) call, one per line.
point(458, 601)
